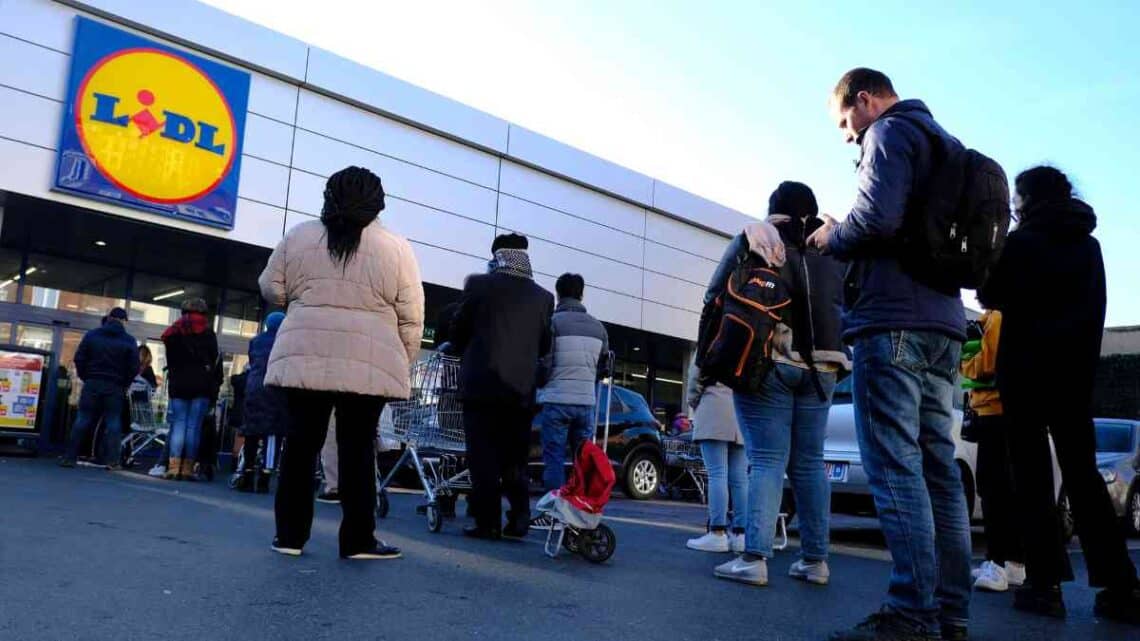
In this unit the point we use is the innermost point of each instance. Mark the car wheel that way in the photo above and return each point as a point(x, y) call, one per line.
point(642, 476)
point(1065, 512)
point(1133, 511)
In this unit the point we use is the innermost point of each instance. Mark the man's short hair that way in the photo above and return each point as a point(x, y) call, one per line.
point(570, 286)
point(860, 79)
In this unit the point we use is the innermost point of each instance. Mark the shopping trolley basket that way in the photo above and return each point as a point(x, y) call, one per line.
point(148, 423)
point(429, 425)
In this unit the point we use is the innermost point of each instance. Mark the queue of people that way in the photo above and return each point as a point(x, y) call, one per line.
point(853, 301)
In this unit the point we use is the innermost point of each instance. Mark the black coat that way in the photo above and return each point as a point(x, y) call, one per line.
point(816, 282)
point(501, 329)
point(108, 354)
point(1050, 287)
point(266, 409)
point(192, 360)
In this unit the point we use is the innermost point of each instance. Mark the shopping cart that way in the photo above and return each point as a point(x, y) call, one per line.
point(429, 425)
point(683, 461)
point(148, 422)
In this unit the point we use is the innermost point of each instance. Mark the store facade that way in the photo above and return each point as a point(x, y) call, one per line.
point(156, 151)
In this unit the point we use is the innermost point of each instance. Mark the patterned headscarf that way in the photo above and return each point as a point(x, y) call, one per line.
point(512, 262)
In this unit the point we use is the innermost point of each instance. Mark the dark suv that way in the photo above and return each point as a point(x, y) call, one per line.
point(634, 445)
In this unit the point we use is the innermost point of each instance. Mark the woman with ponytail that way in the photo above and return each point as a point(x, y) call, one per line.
point(354, 324)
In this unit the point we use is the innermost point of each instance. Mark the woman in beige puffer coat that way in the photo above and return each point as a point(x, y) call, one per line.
point(355, 319)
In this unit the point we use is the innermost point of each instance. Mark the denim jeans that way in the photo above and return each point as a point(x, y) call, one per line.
point(786, 422)
point(559, 422)
point(903, 391)
point(727, 467)
point(186, 426)
point(99, 400)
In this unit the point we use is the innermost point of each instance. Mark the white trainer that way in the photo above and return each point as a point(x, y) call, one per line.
point(741, 571)
point(991, 578)
point(1015, 573)
point(818, 573)
point(736, 543)
point(158, 471)
point(711, 542)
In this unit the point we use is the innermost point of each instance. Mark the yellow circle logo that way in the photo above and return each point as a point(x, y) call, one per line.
point(155, 125)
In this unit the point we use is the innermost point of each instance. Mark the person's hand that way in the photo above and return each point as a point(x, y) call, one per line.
point(820, 237)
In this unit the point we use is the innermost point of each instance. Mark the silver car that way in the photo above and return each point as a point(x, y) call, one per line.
point(1118, 458)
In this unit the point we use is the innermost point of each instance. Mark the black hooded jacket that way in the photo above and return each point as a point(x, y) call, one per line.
point(1050, 287)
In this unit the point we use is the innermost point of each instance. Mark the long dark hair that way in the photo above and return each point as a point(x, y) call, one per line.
point(354, 197)
point(1038, 186)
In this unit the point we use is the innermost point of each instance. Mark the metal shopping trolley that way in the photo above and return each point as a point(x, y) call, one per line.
point(429, 425)
point(148, 421)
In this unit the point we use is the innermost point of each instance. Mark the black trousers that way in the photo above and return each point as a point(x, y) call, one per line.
point(1067, 417)
point(498, 437)
point(357, 417)
point(995, 485)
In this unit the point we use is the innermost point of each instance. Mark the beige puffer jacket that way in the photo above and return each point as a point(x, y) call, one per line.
point(352, 330)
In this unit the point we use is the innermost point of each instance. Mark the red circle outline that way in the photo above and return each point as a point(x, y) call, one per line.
point(81, 90)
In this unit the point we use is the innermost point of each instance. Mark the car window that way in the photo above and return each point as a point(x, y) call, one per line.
point(1113, 437)
point(616, 405)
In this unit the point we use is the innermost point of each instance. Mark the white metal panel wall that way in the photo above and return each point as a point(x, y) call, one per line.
point(643, 269)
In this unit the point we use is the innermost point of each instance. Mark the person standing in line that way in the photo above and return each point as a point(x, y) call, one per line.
point(330, 493)
point(107, 361)
point(717, 431)
point(354, 321)
point(192, 357)
point(1050, 287)
point(502, 329)
point(1004, 565)
point(785, 422)
point(146, 369)
point(265, 412)
point(570, 374)
point(907, 340)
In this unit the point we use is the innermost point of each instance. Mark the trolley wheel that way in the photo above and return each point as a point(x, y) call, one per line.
point(382, 504)
point(598, 546)
point(434, 517)
point(570, 541)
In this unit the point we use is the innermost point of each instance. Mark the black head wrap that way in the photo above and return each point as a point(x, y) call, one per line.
point(354, 197)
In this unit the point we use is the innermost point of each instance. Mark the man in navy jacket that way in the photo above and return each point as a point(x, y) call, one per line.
point(907, 339)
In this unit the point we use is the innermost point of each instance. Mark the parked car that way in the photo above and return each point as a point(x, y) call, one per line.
point(1118, 457)
point(634, 445)
point(850, 489)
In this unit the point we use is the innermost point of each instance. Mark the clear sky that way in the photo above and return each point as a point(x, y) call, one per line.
point(726, 99)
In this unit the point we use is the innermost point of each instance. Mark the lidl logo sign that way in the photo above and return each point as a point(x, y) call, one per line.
point(151, 127)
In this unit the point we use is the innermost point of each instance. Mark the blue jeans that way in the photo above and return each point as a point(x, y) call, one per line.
point(786, 420)
point(727, 467)
point(558, 422)
point(186, 426)
point(99, 400)
point(903, 391)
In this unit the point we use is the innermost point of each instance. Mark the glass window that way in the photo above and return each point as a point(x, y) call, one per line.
point(668, 388)
point(34, 336)
point(158, 300)
point(1113, 437)
point(5, 333)
point(241, 314)
point(58, 283)
point(9, 276)
point(632, 376)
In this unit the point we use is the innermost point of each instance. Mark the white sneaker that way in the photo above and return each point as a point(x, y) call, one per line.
point(750, 572)
point(736, 543)
point(991, 578)
point(711, 542)
point(158, 471)
point(1015, 573)
point(818, 573)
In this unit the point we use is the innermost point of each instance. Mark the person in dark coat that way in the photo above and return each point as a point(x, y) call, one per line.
point(266, 411)
point(443, 325)
point(502, 329)
point(1050, 287)
point(192, 359)
point(106, 362)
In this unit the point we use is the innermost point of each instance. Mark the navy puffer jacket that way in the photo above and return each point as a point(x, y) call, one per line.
point(266, 409)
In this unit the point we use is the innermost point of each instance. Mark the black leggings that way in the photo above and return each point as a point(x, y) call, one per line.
point(357, 417)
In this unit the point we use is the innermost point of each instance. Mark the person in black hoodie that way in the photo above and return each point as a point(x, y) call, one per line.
point(1050, 287)
point(502, 329)
point(106, 362)
point(192, 358)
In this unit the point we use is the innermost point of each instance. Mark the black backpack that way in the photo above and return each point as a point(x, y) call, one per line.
point(739, 353)
point(954, 232)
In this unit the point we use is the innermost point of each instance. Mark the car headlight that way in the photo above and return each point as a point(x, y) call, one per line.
point(1109, 476)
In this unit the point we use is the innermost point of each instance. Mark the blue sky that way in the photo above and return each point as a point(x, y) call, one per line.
point(726, 99)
